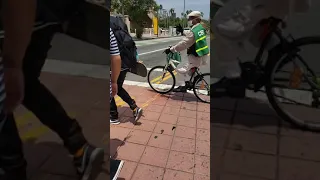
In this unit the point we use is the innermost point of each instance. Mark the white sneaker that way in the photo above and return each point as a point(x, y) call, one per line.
point(114, 121)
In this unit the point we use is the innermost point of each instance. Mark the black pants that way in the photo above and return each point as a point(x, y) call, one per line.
point(123, 94)
point(39, 100)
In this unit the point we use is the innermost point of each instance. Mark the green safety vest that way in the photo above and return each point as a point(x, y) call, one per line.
point(200, 35)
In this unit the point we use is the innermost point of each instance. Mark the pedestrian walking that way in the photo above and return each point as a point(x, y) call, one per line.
point(115, 164)
point(23, 55)
point(128, 53)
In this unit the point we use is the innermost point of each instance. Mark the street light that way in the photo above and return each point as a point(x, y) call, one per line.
point(184, 9)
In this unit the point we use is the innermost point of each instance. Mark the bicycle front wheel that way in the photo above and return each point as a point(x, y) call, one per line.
point(293, 87)
point(201, 87)
point(161, 79)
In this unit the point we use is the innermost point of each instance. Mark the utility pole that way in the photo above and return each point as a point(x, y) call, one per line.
point(122, 8)
point(184, 10)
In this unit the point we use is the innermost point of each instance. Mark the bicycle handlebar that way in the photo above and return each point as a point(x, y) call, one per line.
point(274, 20)
point(166, 49)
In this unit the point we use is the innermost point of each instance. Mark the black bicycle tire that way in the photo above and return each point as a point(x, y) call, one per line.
point(272, 99)
point(171, 73)
point(194, 86)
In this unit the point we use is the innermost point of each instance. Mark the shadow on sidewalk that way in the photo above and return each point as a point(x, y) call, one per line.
point(51, 158)
point(114, 146)
point(248, 112)
point(126, 116)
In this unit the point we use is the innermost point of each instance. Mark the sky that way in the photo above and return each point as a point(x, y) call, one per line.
point(195, 5)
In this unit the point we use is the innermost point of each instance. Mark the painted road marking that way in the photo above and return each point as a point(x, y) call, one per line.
point(152, 51)
point(156, 41)
point(38, 131)
point(41, 130)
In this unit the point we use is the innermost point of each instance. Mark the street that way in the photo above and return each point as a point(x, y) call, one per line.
point(151, 53)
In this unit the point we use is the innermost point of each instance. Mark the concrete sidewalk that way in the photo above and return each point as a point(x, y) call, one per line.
point(250, 142)
point(170, 142)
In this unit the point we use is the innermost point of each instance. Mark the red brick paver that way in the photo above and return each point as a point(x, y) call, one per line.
point(250, 142)
point(171, 140)
point(44, 151)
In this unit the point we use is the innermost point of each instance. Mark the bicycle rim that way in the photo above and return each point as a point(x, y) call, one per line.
point(161, 80)
point(293, 100)
point(201, 87)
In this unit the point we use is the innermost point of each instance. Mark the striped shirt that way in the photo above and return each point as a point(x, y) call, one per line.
point(114, 51)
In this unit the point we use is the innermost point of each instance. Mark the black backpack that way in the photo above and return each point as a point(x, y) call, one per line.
point(126, 44)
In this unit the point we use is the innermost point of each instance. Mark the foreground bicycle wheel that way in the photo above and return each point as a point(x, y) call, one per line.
point(161, 80)
point(201, 87)
point(293, 88)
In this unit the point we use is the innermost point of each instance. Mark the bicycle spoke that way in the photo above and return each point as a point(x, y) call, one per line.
point(287, 99)
point(293, 86)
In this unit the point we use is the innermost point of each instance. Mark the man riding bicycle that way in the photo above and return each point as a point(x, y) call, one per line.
point(197, 49)
point(235, 22)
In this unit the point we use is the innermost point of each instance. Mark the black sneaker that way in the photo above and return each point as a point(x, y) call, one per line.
point(137, 113)
point(180, 89)
point(90, 163)
point(231, 87)
point(115, 168)
point(114, 121)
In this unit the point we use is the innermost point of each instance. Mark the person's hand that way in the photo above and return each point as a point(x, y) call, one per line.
point(114, 87)
point(167, 51)
point(14, 87)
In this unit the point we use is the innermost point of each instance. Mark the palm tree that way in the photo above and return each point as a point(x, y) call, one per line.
point(171, 12)
point(160, 9)
point(188, 12)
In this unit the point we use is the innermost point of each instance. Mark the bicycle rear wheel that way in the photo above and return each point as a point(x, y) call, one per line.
point(201, 87)
point(292, 94)
point(161, 80)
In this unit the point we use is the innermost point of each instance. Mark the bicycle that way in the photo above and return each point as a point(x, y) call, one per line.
point(198, 82)
point(257, 74)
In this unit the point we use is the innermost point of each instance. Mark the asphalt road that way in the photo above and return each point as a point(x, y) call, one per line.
point(151, 53)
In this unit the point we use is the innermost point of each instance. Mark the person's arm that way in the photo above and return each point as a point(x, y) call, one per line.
point(115, 68)
point(185, 43)
point(115, 58)
point(18, 20)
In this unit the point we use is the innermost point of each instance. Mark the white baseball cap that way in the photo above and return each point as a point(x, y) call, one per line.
point(195, 14)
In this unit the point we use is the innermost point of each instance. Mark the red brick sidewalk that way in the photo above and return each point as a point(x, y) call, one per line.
point(250, 142)
point(170, 142)
point(83, 98)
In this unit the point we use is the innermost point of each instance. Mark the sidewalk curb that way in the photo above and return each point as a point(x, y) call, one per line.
point(135, 39)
